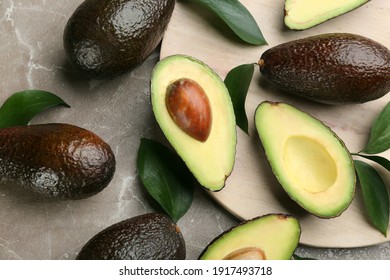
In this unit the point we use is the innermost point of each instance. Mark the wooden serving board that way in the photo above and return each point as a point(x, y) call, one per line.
point(252, 189)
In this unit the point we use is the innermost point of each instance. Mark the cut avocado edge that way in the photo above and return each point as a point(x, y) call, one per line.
point(217, 153)
point(273, 236)
point(304, 14)
point(309, 160)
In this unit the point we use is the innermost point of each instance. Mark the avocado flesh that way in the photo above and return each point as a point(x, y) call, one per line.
point(105, 38)
point(151, 236)
point(268, 237)
point(210, 161)
point(304, 14)
point(311, 163)
point(56, 160)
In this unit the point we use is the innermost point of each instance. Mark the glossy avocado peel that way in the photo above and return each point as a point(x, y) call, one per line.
point(56, 160)
point(320, 69)
point(150, 236)
point(105, 38)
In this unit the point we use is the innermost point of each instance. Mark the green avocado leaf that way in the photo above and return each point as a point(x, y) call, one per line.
point(378, 159)
point(237, 82)
point(22, 106)
point(379, 140)
point(375, 194)
point(165, 177)
point(238, 18)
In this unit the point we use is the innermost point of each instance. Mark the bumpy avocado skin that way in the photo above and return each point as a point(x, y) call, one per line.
point(334, 68)
point(104, 38)
point(56, 160)
point(151, 236)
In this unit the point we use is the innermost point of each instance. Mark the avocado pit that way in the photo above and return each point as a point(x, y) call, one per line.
point(189, 108)
point(248, 253)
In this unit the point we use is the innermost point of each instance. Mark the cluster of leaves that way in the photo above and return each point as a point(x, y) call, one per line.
point(375, 191)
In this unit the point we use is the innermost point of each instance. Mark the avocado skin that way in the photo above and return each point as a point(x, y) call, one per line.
point(151, 236)
point(333, 68)
point(56, 160)
point(105, 38)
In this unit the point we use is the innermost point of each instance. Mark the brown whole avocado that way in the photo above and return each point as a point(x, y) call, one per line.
point(104, 38)
point(151, 236)
point(56, 160)
point(333, 68)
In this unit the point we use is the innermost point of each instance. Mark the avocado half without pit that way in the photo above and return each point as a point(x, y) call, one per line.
point(193, 109)
point(268, 237)
point(304, 14)
point(309, 160)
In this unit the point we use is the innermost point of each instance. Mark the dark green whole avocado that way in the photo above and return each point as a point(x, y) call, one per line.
point(151, 236)
point(104, 38)
point(56, 160)
point(334, 68)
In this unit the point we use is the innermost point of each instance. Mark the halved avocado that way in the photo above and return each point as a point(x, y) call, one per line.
point(194, 110)
point(268, 237)
point(310, 161)
point(303, 14)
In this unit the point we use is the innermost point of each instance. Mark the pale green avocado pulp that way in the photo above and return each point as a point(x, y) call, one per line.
point(310, 161)
point(303, 14)
point(268, 237)
point(211, 161)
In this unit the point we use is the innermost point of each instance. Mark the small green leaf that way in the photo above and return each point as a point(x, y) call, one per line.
point(378, 159)
point(237, 82)
point(165, 177)
point(238, 18)
point(22, 106)
point(379, 140)
point(375, 194)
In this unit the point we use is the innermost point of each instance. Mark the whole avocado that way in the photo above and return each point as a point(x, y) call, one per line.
point(151, 236)
point(104, 38)
point(56, 160)
point(333, 68)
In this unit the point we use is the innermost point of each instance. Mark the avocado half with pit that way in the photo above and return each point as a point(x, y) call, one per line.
point(193, 109)
point(268, 237)
point(309, 160)
point(304, 14)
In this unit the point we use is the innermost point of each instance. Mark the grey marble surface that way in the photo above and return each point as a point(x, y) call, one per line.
point(118, 110)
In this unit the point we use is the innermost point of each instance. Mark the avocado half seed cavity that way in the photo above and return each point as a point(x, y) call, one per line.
point(193, 109)
point(268, 237)
point(309, 160)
